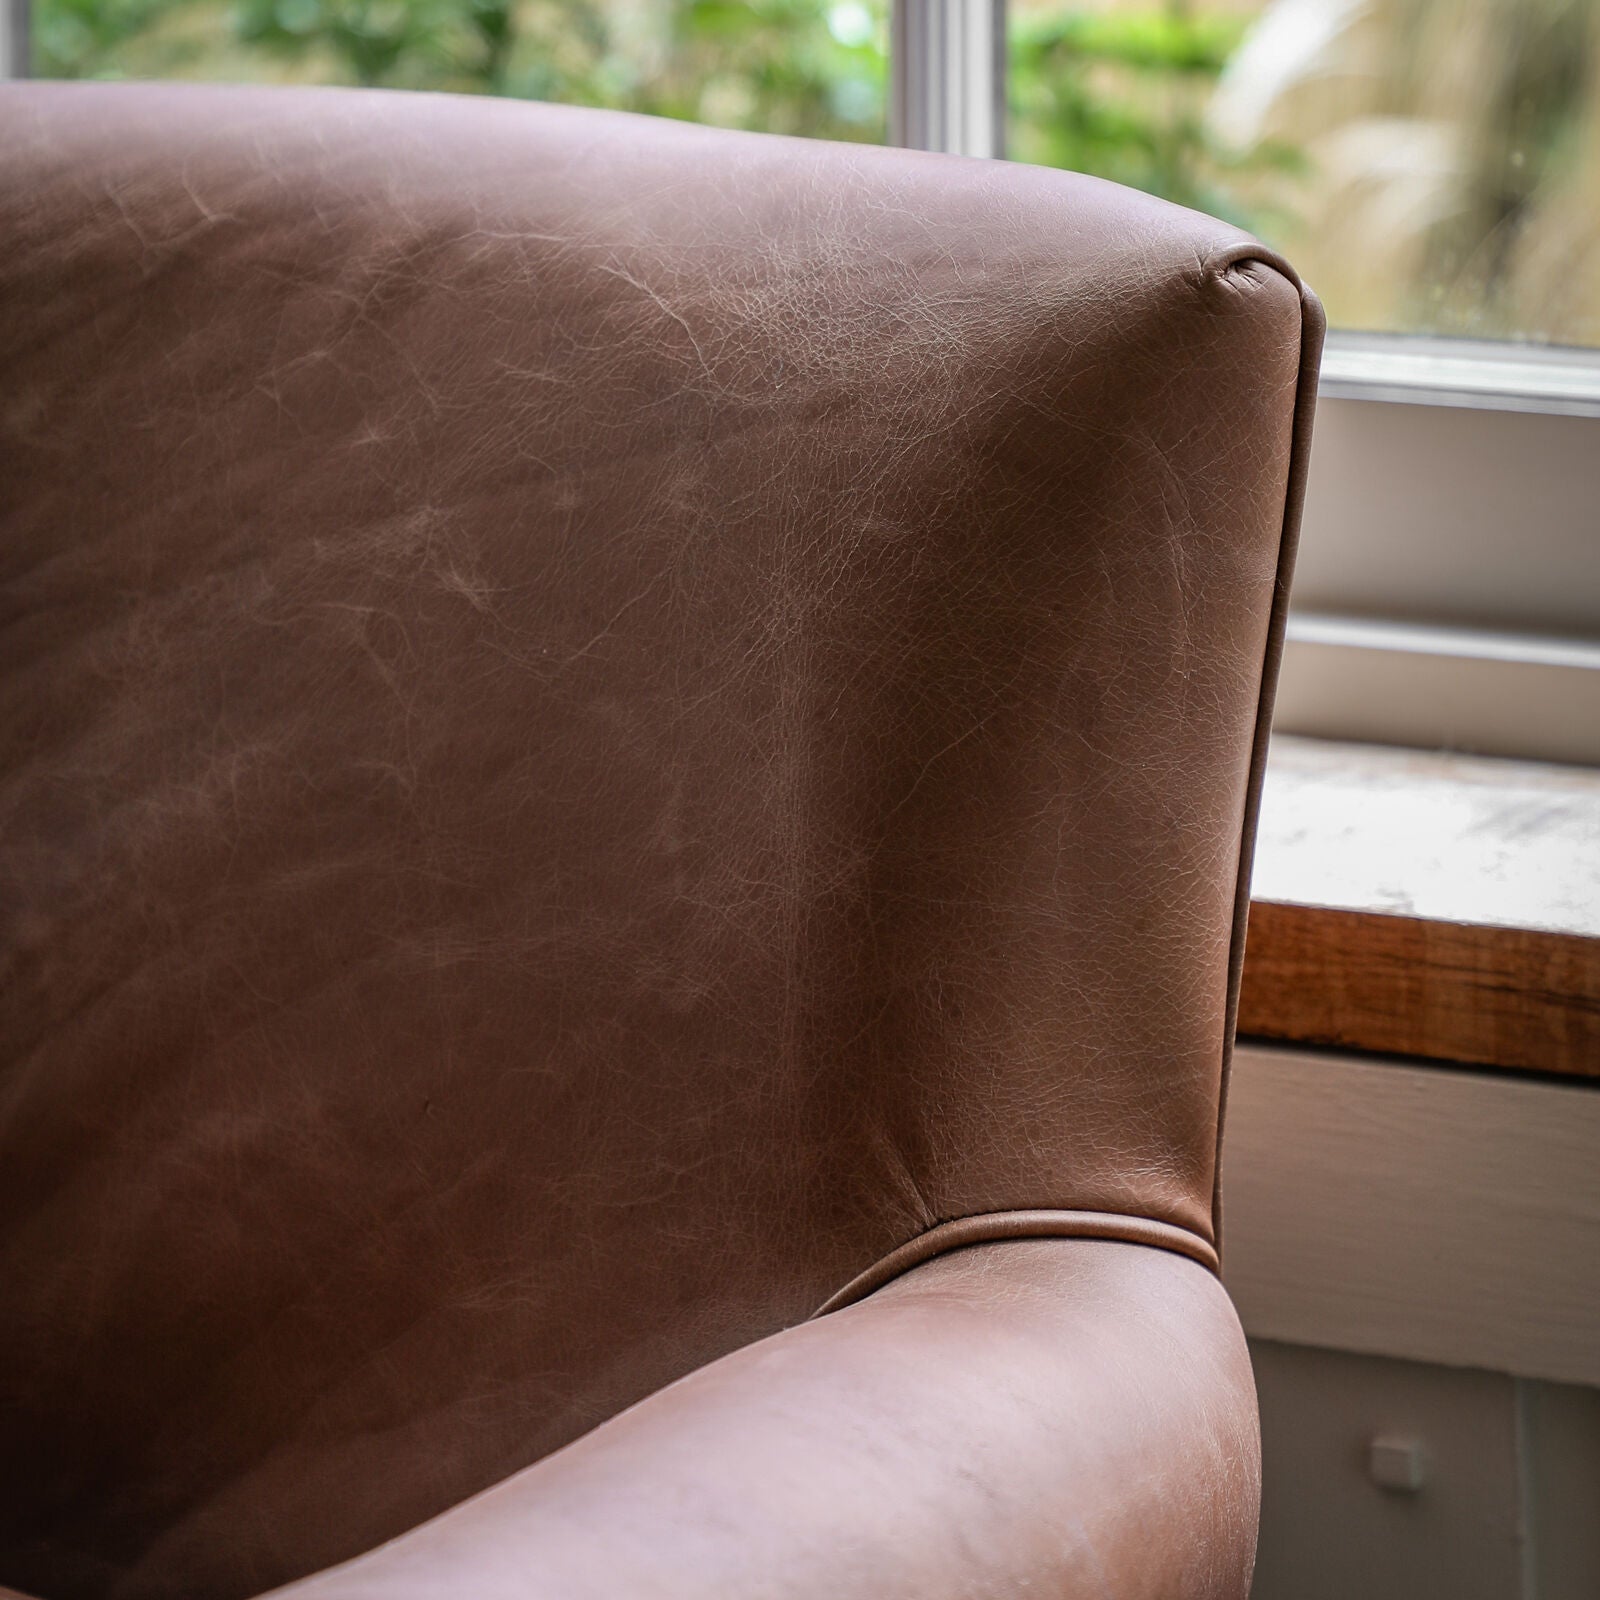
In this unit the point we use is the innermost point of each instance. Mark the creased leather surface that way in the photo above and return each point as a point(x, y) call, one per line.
point(1048, 1420)
point(600, 724)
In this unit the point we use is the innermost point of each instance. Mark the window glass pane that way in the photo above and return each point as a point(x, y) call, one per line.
point(1432, 166)
point(787, 66)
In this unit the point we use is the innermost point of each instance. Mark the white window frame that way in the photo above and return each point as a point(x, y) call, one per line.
point(13, 39)
point(947, 76)
point(1448, 591)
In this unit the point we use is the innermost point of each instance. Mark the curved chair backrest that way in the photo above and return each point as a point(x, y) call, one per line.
point(610, 731)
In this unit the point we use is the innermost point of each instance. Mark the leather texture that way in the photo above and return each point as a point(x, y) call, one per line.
point(606, 726)
point(1059, 1417)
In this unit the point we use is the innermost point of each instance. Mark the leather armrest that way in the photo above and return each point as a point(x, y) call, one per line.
point(1040, 1418)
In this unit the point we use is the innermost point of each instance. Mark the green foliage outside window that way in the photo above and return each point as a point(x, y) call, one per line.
point(788, 66)
point(1122, 94)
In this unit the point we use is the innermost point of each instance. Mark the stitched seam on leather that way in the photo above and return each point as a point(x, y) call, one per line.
point(1002, 1226)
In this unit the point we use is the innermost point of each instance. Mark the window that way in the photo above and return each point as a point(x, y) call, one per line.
point(1432, 166)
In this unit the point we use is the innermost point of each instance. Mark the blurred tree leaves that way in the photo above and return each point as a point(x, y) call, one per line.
point(84, 38)
point(815, 67)
point(369, 38)
point(1121, 94)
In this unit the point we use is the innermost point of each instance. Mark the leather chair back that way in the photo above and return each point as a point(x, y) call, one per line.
point(608, 732)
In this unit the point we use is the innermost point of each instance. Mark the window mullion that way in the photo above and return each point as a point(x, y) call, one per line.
point(13, 39)
point(947, 71)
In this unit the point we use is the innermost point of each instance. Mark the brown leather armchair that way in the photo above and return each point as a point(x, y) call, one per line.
point(629, 756)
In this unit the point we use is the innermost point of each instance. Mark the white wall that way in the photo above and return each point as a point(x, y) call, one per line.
point(1415, 1253)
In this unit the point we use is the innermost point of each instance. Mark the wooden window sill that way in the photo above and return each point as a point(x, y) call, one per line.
point(1428, 905)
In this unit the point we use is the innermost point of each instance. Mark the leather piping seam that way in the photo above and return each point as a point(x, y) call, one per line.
point(1313, 326)
point(994, 1226)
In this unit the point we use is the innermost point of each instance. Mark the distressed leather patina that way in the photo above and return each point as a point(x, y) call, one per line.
point(610, 734)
